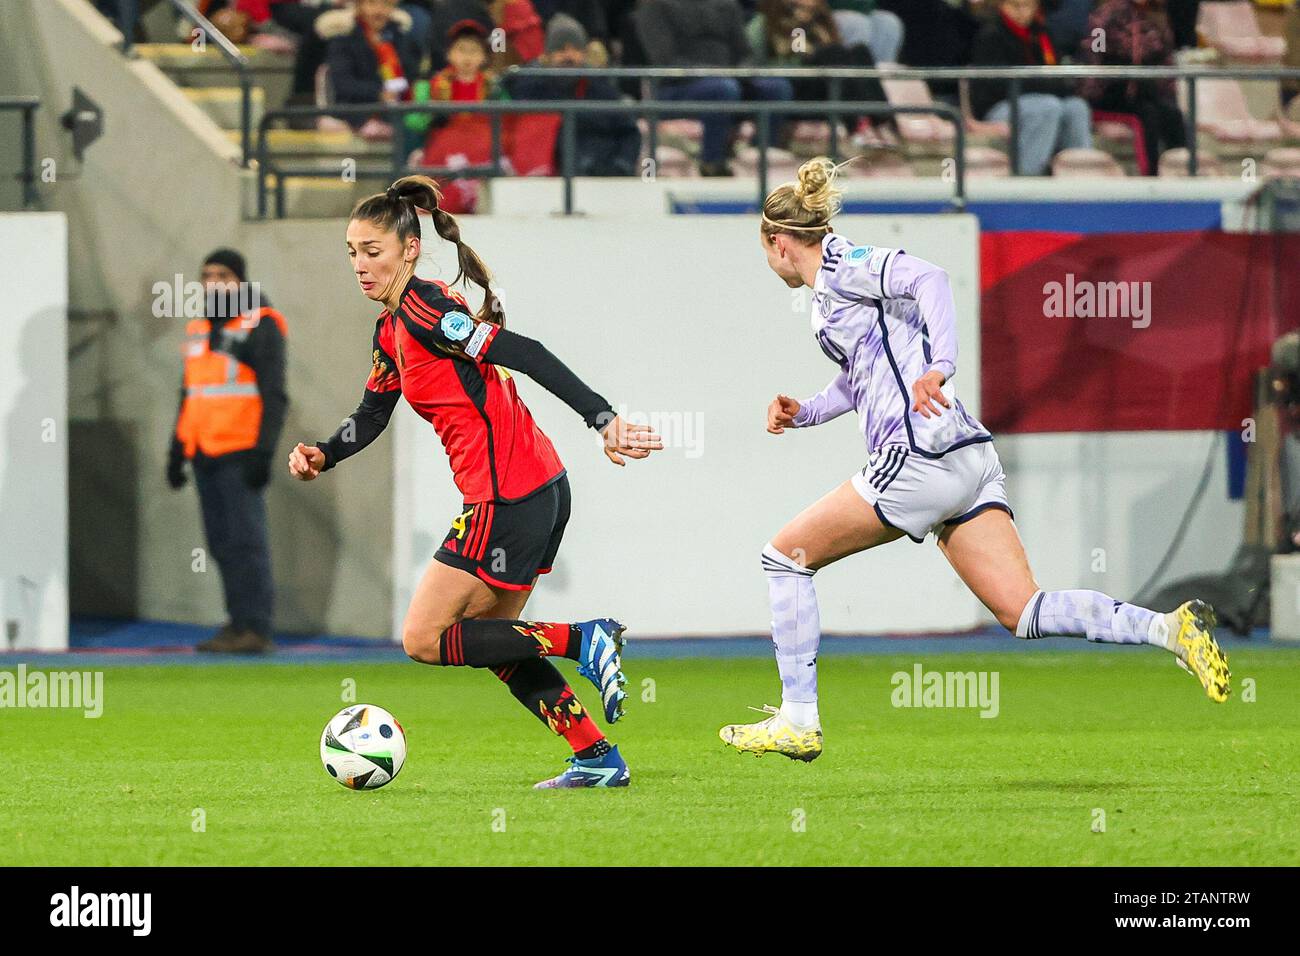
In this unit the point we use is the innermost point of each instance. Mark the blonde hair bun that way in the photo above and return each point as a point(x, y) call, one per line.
point(815, 189)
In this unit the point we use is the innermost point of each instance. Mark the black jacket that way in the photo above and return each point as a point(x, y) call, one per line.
point(996, 45)
point(693, 33)
point(354, 69)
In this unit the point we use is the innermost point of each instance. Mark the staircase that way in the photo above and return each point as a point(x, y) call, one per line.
point(210, 82)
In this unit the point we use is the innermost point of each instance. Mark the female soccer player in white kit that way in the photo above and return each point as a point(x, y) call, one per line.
point(886, 319)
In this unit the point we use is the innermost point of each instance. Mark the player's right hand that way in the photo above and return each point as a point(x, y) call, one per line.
point(781, 413)
point(306, 461)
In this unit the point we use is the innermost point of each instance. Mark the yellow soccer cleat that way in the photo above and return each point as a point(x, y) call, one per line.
point(1196, 650)
point(774, 735)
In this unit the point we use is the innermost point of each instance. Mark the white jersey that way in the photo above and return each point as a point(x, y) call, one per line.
point(886, 318)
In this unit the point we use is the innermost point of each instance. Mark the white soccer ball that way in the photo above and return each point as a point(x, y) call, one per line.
point(363, 747)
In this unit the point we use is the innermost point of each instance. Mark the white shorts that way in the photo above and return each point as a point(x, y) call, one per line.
point(916, 494)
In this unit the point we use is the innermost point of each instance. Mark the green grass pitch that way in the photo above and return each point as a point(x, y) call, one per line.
point(1180, 780)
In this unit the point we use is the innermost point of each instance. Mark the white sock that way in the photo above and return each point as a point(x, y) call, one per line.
point(1091, 614)
point(800, 714)
point(796, 634)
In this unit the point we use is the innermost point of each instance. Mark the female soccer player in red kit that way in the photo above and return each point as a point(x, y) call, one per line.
point(450, 365)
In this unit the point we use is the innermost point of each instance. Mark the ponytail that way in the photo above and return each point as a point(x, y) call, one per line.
point(397, 209)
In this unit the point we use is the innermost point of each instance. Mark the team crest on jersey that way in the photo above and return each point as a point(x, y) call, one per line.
point(859, 253)
point(457, 326)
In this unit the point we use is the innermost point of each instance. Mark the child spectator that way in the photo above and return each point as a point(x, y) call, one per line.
point(462, 139)
point(1051, 118)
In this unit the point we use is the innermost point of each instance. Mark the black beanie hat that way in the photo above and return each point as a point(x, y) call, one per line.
point(229, 258)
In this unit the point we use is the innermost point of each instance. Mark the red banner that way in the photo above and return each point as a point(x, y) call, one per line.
point(1136, 331)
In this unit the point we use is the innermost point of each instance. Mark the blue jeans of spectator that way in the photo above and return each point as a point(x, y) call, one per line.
point(234, 520)
point(880, 31)
point(717, 126)
point(1048, 124)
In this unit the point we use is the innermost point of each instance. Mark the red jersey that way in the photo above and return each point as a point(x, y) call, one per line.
point(497, 451)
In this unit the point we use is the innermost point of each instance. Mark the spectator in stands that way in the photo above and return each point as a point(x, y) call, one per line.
point(520, 28)
point(462, 139)
point(1051, 117)
point(372, 58)
point(936, 33)
point(299, 18)
point(1067, 23)
point(1182, 20)
point(879, 31)
point(1136, 33)
point(515, 31)
point(448, 13)
point(704, 33)
point(233, 403)
point(591, 15)
point(806, 33)
point(607, 144)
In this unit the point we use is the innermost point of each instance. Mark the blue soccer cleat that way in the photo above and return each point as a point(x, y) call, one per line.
point(607, 771)
point(598, 661)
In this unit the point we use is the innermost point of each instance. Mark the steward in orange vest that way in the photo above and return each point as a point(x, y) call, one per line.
point(232, 408)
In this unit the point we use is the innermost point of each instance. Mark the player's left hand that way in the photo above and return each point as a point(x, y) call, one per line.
point(926, 391)
point(627, 438)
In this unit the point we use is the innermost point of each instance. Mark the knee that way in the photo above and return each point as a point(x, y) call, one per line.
point(1047, 110)
point(721, 88)
point(1076, 112)
point(424, 644)
point(773, 88)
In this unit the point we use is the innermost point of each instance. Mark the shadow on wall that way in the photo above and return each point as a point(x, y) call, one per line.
point(305, 533)
point(31, 587)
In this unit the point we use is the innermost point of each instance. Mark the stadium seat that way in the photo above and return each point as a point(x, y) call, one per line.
point(1122, 134)
point(781, 163)
point(1091, 163)
point(1233, 30)
point(985, 162)
point(674, 162)
point(1283, 161)
point(880, 164)
point(916, 128)
point(1222, 112)
point(1175, 163)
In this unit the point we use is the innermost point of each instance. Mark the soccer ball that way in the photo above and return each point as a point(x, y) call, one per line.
point(363, 747)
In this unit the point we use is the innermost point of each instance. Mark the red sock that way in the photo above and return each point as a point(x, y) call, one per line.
point(540, 687)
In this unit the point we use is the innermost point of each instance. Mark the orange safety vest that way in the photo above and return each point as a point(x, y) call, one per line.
point(222, 409)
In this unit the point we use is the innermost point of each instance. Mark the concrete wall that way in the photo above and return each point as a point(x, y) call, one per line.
point(155, 194)
point(33, 432)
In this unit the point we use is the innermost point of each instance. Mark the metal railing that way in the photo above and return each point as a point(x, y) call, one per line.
point(1015, 76)
point(128, 17)
point(649, 107)
point(27, 106)
point(568, 110)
